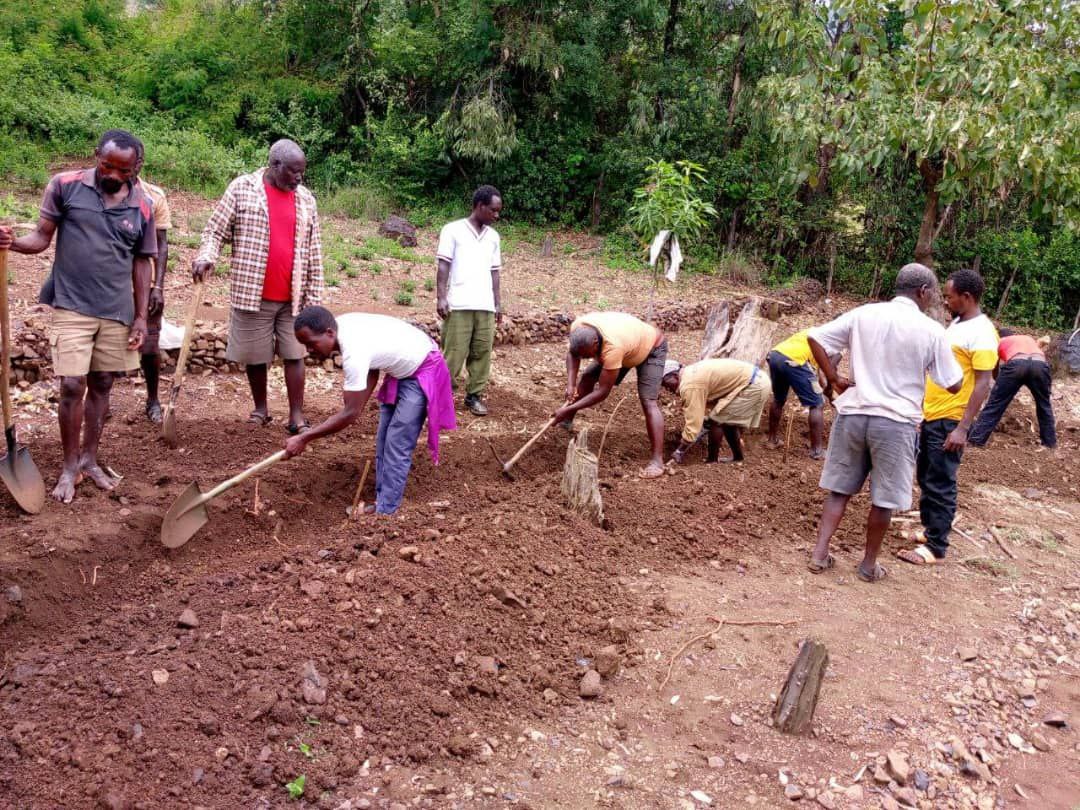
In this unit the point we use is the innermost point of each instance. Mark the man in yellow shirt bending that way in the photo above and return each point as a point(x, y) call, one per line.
point(792, 368)
point(947, 418)
point(721, 396)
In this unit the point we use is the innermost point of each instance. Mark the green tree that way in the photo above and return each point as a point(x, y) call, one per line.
point(979, 97)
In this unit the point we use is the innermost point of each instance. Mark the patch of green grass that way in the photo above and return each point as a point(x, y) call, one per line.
point(1048, 542)
point(381, 246)
point(405, 292)
point(429, 284)
point(621, 252)
point(990, 566)
point(357, 202)
point(221, 269)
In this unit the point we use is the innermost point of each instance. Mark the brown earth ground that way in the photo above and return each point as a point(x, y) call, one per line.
point(449, 678)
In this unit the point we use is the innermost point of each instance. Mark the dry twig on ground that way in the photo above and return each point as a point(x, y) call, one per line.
point(719, 624)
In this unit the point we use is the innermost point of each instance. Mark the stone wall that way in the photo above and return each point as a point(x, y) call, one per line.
point(31, 358)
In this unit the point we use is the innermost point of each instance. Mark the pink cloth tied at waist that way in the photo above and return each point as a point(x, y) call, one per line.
point(434, 379)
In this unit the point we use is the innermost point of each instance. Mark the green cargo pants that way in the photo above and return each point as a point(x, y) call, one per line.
point(468, 336)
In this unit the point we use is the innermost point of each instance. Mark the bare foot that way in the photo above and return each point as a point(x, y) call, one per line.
point(99, 476)
point(65, 487)
point(654, 470)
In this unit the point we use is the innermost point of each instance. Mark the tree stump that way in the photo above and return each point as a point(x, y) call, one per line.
point(548, 247)
point(752, 335)
point(581, 479)
point(717, 329)
point(794, 709)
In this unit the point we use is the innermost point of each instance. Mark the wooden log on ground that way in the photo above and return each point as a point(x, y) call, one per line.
point(581, 479)
point(794, 709)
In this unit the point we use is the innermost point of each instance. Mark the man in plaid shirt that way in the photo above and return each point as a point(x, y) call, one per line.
point(275, 271)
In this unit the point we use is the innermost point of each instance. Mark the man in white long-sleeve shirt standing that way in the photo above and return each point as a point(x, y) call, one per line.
point(893, 346)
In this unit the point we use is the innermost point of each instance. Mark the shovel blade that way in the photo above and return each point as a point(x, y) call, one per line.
point(185, 517)
point(23, 480)
point(168, 425)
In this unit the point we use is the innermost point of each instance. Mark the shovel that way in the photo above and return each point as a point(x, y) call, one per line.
point(17, 469)
point(168, 420)
point(188, 513)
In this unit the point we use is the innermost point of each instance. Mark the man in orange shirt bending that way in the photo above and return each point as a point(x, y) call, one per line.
point(617, 342)
point(1023, 363)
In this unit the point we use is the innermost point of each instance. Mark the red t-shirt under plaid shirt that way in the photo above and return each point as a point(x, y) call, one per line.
point(281, 206)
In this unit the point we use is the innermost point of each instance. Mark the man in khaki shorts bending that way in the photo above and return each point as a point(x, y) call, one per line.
point(275, 271)
point(720, 396)
point(98, 289)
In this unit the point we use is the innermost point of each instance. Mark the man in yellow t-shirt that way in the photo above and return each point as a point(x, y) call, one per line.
point(617, 342)
point(947, 418)
point(792, 368)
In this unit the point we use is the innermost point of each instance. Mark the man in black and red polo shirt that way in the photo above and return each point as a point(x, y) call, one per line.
point(98, 288)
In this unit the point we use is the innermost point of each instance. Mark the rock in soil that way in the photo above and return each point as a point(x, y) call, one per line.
point(188, 619)
point(898, 767)
point(590, 684)
point(607, 661)
point(14, 594)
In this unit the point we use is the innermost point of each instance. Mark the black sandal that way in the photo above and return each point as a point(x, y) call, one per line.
point(295, 430)
point(262, 420)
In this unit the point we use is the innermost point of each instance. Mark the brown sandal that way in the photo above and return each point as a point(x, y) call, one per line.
point(819, 566)
point(879, 573)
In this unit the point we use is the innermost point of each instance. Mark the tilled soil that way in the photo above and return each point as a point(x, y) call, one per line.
point(314, 634)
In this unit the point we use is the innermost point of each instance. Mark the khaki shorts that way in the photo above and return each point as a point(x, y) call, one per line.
point(82, 343)
point(882, 449)
point(254, 337)
point(745, 409)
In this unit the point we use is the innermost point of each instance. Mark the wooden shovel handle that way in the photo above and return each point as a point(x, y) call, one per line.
point(185, 346)
point(529, 444)
point(5, 338)
point(269, 461)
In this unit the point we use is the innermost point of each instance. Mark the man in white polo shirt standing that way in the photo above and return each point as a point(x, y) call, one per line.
point(469, 259)
point(893, 347)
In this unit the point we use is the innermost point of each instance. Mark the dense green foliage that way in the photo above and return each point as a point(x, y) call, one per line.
point(823, 130)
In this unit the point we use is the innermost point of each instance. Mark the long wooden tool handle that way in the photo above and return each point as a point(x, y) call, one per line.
point(5, 338)
point(185, 346)
point(529, 444)
point(250, 471)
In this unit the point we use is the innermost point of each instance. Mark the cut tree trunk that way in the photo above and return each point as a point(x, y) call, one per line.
point(1005, 294)
point(832, 265)
point(717, 329)
point(794, 709)
point(581, 479)
point(752, 335)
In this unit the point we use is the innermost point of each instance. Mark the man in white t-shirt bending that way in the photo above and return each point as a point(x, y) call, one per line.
point(469, 259)
point(416, 387)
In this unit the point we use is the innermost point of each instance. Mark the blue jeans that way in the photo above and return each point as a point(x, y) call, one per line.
point(399, 429)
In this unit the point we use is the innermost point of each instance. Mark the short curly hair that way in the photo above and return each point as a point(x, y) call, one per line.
point(968, 281)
